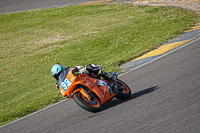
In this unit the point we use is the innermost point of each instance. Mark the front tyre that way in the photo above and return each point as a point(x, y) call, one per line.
point(92, 105)
point(124, 92)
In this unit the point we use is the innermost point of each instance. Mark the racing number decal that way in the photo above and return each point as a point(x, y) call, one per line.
point(102, 83)
point(66, 84)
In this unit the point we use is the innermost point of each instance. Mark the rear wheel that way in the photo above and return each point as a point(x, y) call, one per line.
point(92, 105)
point(124, 92)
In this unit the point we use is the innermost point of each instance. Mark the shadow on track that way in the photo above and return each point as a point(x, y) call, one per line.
point(116, 102)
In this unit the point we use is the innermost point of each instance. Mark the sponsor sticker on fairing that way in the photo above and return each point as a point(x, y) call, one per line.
point(102, 83)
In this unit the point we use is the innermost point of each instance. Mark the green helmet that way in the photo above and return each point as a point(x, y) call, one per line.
point(56, 70)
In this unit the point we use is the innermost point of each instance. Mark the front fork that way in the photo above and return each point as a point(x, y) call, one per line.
point(114, 83)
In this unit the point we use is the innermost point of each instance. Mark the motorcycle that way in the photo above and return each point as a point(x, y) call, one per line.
point(92, 93)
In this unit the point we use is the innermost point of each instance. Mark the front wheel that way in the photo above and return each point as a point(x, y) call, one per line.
point(124, 92)
point(92, 105)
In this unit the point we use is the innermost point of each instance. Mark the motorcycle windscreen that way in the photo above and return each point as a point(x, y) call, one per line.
point(65, 82)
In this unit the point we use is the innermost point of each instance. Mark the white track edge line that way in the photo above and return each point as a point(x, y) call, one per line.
point(33, 113)
point(162, 55)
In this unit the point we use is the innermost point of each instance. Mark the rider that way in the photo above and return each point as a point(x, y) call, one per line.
point(91, 69)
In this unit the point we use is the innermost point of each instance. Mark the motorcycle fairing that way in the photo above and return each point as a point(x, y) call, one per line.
point(97, 86)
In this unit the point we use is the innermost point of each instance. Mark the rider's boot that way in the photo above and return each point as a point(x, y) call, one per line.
point(108, 77)
point(105, 75)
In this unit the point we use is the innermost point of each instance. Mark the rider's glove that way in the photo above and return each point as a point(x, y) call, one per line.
point(82, 71)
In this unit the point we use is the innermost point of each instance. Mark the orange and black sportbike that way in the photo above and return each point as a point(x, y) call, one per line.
point(91, 93)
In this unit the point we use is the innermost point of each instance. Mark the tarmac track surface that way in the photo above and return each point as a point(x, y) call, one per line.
point(165, 99)
point(9, 6)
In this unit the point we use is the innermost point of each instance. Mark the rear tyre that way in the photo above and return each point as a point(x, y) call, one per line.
point(92, 105)
point(124, 92)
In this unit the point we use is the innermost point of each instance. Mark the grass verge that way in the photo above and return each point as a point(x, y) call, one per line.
point(31, 42)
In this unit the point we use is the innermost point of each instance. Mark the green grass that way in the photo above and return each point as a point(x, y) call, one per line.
point(109, 35)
